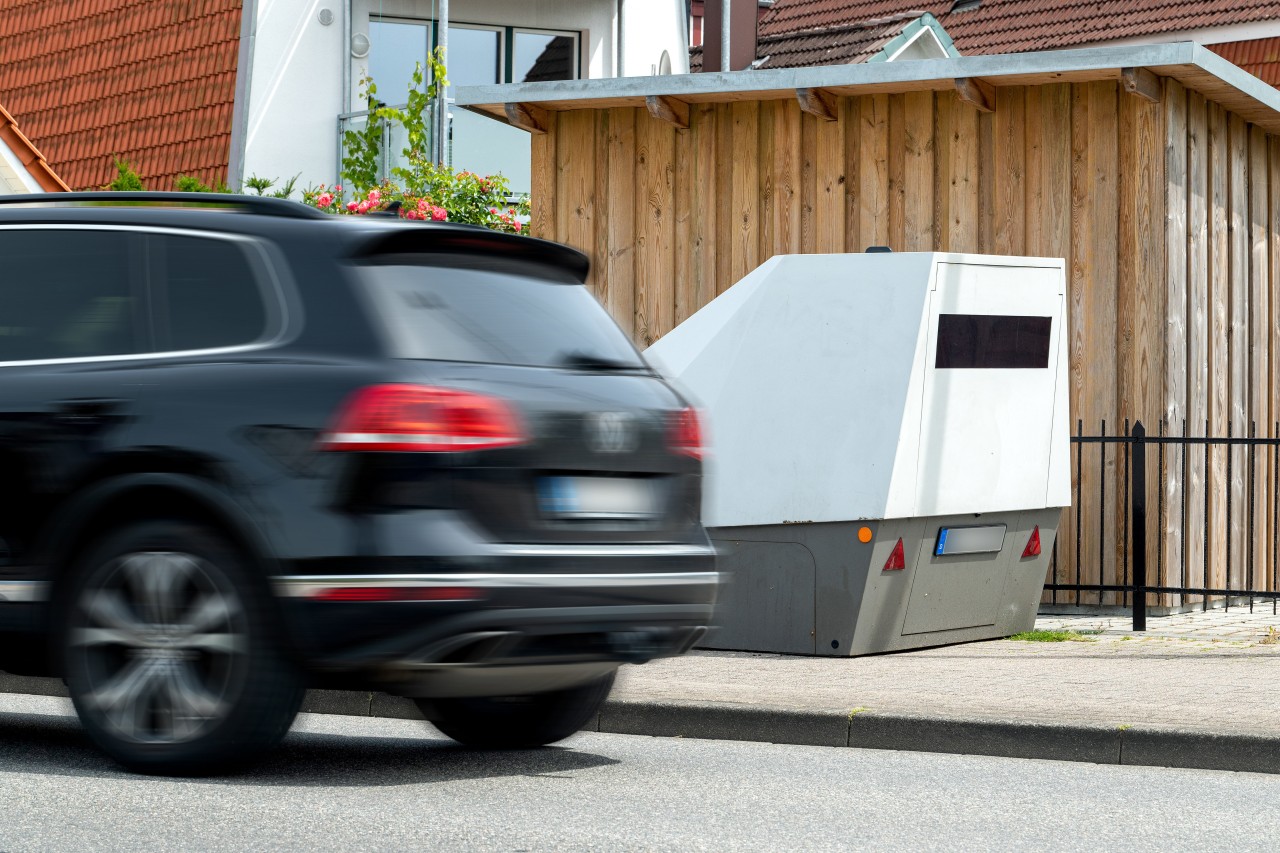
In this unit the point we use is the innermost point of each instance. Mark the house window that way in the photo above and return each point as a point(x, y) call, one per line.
point(478, 54)
point(394, 48)
point(475, 55)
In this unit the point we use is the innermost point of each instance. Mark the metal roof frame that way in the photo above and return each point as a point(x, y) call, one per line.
point(1194, 66)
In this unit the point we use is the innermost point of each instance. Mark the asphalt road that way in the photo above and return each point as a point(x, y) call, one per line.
point(350, 783)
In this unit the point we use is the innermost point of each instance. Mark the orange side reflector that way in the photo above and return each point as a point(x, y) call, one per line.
point(897, 561)
point(1033, 544)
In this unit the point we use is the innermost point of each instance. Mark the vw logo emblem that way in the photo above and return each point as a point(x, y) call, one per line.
point(612, 432)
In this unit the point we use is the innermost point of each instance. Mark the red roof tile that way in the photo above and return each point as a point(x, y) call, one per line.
point(91, 80)
point(26, 152)
point(839, 44)
point(1260, 57)
point(1015, 26)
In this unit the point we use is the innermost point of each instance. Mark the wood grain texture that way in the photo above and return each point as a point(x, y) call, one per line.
point(576, 178)
point(671, 110)
point(1197, 334)
point(1175, 338)
point(918, 172)
point(1258, 560)
point(1141, 280)
point(1102, 304)
point(809, 182)
point(684, 177)
point(744, 205)
point(962, 202)
point(1273, 338)
point(976, 93)
point(728, 217)
point(785, 209)
point(620, 166)
point(944, 107)
point(1142, 83)
point(1219, 338)
point(766, 142)
point(829, 205)
point(897, 184)
point(851, 125)
point(1238, 354)
point(986, 182)
point(655, 228)
point(818, 103)
point(703, 193)
point(542, 186)
point(873, 172)
point(1009, 180)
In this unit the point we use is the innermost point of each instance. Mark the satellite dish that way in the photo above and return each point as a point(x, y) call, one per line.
point(664, 64)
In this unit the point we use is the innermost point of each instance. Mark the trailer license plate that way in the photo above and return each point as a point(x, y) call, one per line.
point(597, 497)
point(970, 540)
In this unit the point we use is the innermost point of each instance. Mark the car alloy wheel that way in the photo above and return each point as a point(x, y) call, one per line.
point(164, 642)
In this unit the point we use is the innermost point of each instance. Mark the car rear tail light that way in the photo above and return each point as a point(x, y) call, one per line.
point(897, 559)
point(422, 419)
point(684, 432)
point(1033, 544)
point(396, 593)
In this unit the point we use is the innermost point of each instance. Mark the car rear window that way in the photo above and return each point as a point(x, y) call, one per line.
point(464, 314)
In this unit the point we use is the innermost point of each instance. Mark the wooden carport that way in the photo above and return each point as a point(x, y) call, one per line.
point(1154, 170)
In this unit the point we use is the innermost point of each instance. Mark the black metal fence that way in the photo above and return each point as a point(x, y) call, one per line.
point(1196, 518)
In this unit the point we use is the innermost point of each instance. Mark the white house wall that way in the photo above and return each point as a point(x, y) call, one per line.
point(592, 18)
point(649, 28)
point(14, 177)
point(295, 87)
point(295, 92)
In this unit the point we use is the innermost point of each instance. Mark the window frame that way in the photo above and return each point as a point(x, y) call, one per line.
point(506, 40)
point(143, 269)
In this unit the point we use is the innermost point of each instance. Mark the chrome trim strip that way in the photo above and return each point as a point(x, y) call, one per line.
point(602, 551)
point(307, 586)
point(23, 591)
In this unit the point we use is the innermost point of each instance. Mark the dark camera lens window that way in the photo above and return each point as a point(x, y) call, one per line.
point(66, 294)
point(992, 341)
point(209, 296)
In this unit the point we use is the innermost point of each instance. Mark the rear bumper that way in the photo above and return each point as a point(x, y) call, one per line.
point(464, 632)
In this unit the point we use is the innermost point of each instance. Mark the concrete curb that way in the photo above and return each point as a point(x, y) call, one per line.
point(1194, 748)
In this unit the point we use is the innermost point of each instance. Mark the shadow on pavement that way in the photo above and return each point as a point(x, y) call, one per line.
point(57, 746)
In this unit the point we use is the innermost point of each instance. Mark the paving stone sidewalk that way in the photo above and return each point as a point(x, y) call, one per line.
point(1197, 690)
point(1209, 671)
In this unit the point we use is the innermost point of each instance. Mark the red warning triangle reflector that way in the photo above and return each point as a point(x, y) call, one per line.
point(1033, 544)
point(897, 561)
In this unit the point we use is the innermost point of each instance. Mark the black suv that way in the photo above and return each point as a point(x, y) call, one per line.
point(248, 448)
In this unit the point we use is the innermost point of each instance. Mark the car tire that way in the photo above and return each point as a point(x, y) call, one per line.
point(518, 722)
point(170, 652)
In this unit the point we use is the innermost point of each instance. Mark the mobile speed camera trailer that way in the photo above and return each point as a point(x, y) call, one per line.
point(888, 446)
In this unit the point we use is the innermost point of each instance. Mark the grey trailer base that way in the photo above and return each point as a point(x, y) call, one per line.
point(816, 588)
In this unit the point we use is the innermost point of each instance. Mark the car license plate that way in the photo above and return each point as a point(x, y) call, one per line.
point(597, 497)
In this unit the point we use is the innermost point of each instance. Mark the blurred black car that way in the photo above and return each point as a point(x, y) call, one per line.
point(248, 448)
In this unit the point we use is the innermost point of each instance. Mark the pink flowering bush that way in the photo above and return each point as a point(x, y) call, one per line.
point(419, 189)
point(444, 196)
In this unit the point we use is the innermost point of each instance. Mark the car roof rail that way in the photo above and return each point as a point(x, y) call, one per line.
point(264, 205)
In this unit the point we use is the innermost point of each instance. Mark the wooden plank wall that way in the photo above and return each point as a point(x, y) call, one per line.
point(1166, 213)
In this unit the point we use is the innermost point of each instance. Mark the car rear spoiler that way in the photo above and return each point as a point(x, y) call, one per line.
point(397, 241)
